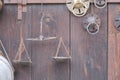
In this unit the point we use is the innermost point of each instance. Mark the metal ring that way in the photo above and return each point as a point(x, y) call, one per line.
point(99, 6)
point(90, 26)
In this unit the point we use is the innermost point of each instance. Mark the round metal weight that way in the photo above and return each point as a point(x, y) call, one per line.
point(92, 23)
point(78, 7)
point(117, 21)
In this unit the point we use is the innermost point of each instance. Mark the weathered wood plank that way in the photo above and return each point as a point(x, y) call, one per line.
point(49, 1)
point(89, 52)
point(57, 24)
point(10, 35)
point(22, 72)
point(113, 45)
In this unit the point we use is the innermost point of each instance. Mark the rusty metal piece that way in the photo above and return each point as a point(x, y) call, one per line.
point(117, 21)
point(92, 23)
point(24, 4)
point(100, 3)
point(22, 7)
point(78, 7)
point(19, 12)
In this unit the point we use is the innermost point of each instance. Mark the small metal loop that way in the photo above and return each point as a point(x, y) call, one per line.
point(100, 4)
point(92, 23)
point(93, 28)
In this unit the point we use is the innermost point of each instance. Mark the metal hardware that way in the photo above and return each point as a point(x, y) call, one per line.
point(22, 7)
point(117, 21)
point(92, 23)
point(100, 3)
point(18, 58)
point(41, 36)
point(61, 58)
point(78, 7)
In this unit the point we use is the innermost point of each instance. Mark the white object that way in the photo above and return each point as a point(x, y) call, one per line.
point(6, 71)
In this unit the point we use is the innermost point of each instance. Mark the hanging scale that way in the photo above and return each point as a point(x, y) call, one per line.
point(61, 58)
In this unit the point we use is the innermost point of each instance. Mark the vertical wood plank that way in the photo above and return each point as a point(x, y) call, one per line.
point(55, 24)
point(114, 45)
point(89, 52)
point(10, 34)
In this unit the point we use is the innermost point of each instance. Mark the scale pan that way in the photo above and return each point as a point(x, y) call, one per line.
point(18, 62)
point(61, 59)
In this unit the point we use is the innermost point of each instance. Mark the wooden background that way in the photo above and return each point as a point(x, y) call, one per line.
point(94, 57)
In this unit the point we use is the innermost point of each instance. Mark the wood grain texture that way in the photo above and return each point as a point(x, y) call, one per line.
point(55, 23)
point(114, 45)
point(22, 72)
point(10, 35)
point(49, 1)
point(89, 52)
